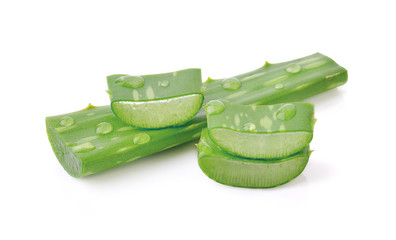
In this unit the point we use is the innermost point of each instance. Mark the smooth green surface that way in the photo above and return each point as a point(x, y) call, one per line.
point(281, 82)
point(157, 100)
point(319, 79)
point(260, 131)
point(94, 140)
point(252, 173)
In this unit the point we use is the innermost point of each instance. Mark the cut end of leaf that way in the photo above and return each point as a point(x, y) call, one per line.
point(159, 113)
point(260, 145)
point(66, 158)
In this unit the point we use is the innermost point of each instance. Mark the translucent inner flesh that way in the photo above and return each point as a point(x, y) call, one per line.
point(66, 158)
point(159, 113)
point(260, 145)
point(252, 173)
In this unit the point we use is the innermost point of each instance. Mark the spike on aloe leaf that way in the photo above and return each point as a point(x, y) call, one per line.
point(210, 79)
point(109, 93)
point(266, 64)
point(90, 106)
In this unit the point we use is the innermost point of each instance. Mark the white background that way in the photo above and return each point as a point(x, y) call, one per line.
point(55, 55)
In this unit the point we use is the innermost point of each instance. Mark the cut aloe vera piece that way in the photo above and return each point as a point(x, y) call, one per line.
point(158, 100)
point(252, 173)
point(93, 139)
point(260, 131)
point(281, 82)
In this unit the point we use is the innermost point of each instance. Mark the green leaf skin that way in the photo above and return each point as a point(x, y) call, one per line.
point(93, 139)
point(250, 173)
point(158, 100)
point(261, 131)
point(323, 78)
point(282, 82)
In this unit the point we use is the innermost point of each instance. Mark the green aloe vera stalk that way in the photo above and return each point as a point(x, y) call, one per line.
point(93, 139)
point(158, 100)
point(84, 123)
point(282, 82)
point(252, 173)
point(260, 131)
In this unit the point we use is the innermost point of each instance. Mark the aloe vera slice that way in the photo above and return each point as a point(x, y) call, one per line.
point(260, 131)
point(158, 100)
point(92, 140)
point(252, 173)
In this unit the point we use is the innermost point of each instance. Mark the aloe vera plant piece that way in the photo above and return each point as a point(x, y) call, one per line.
point(158, 100)
point(58, 127)
point(282, 82)
point(260, 131)
point(92, 140)
point(252, 173)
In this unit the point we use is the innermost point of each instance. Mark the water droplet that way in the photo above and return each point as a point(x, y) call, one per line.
point(214, 107)
point(293, 68)
point(286, 112)
point(249, 127)
point(164, 83)
point(66, 121)
point(104, 128)
point(131, 81)
point(83, 147)
point(110, 94)
point(279, 86)
point(141, 138)
point(231, 84)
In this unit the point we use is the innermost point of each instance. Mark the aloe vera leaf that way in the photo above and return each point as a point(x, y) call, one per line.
point(282, 82)
point(251, 173)
point(93, 139)
point(260, 131)
point(335, 75)
point(158, 100)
